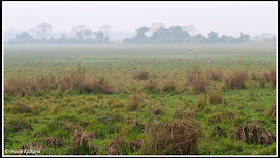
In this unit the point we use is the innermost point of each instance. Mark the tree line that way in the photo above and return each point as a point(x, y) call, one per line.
point(180, 34)
point(82, 35)
point(158, 33)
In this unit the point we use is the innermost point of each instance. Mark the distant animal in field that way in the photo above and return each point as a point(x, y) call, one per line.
point(24, 51)
point(190, 49)
point(208, 60)
point(239, 60)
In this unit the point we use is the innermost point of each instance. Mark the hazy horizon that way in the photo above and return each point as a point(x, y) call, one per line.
point(228, 18)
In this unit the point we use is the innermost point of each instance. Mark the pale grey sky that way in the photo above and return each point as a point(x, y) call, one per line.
point(228, 18)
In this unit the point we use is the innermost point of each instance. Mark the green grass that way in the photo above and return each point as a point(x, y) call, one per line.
point(57, 113)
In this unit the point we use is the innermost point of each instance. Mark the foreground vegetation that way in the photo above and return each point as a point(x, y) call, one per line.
point(136, 100)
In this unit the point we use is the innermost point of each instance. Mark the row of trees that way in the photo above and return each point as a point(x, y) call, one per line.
point(158, 33)
point(179, 34)
point(80, 32)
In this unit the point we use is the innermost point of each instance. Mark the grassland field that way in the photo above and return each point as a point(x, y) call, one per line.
point(125, 119)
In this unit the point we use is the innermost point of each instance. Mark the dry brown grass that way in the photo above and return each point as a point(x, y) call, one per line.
point(214, 74)
point(116, 147)
point(141, 75)
point(74, 80)
point(81, 144)
point(198, 80)
point(135, 144)
point(270, 77)
point(180, 137)
point(254, 76)
point(101, 86)
point(254, 134)
point(52, 141)
point(236, 79)
point(33, 146)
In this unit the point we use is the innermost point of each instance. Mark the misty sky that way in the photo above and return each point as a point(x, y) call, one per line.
point(228, 18)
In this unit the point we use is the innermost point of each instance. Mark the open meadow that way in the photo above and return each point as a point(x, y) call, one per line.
point(152, 99)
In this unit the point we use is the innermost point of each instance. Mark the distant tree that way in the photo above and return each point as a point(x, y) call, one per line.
point(43, 30)
point(155, 27)
point(141, 32)
point(87, 33)
point(78, 31)
point(198, 38)
point(190, 29)
point(213, 36)
point(106, 29)
point(177, 34)
point(224, 38)
point(99, 36)
point(23, 38)
point(244, 37)
point(162, 35)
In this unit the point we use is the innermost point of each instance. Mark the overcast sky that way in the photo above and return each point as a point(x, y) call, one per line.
point(228, 18)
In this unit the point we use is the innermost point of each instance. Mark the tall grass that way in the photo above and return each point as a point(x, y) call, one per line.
point(235, 79)
point(270, 77)
point(141, 75)
point(197, 79)
point(178, 138)
point(74, 80)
